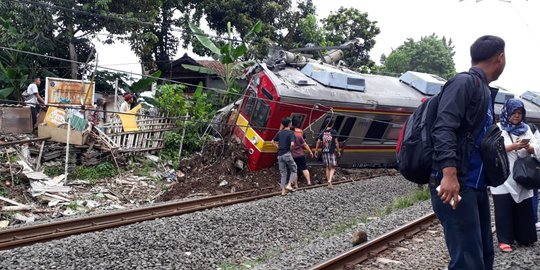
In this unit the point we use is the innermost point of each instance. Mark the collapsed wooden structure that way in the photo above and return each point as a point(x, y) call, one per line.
point(148, 138)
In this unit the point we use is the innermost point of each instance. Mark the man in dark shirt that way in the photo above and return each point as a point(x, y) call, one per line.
point(465, 103)
point(284, 141)
point(329, 146)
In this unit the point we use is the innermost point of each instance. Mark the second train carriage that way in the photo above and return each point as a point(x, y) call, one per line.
point(368, 110)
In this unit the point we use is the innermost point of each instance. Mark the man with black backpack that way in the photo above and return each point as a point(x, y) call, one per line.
point(458, 183)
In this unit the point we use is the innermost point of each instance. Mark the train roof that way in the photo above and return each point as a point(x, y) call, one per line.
point(348, 87)
point(291, 82)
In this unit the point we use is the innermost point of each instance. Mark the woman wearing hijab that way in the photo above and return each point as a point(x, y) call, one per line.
point(513, 203)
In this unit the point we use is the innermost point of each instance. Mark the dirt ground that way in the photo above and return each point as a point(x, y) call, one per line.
point(217, 171)
point(221, 168)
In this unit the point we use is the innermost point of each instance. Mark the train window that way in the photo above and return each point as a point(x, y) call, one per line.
point(338, 121)
point(376, 130)
point(250, 103)
point(260, 114)
point(324, 123)
point(298, 119)
point(347, 128)
point(267, 94)
point(393, 132)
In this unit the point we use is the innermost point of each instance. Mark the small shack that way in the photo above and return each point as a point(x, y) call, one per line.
point(176, 72)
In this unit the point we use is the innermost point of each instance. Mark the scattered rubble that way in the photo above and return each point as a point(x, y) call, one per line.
point(28, 193)
point(34, 186)
point(221, 168)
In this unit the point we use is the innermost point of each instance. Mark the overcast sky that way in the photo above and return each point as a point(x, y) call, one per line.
point(462, 21)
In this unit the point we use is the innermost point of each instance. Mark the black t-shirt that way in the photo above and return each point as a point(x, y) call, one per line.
point(284, 137)
point(328, 138)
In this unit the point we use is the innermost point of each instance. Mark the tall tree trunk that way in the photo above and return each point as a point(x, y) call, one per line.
point(73, 57)
point(72, 52)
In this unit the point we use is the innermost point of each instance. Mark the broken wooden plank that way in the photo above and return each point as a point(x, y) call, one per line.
point(38, 187)
point(16, 208)
point(11, 201)
point(56, 197)
point(38, 161)
point(23, 141)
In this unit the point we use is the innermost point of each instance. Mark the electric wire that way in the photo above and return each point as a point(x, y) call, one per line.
point(116, 16)
point(217, 90)
point(182, 118)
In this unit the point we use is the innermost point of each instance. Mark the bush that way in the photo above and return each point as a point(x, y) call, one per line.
point(171, 99)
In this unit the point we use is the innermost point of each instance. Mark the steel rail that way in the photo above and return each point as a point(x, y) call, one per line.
point(26, 235)
point(355, 256)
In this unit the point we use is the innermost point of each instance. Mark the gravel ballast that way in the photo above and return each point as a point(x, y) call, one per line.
point(297, 231)
point(239, 234)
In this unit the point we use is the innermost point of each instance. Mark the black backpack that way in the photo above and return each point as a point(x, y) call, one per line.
point(415, 146)
point(494, 157)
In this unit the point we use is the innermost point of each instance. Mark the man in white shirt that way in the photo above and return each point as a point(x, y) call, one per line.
point(32, 98)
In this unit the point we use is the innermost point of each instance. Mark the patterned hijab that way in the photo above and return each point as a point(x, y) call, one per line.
point(509, 107)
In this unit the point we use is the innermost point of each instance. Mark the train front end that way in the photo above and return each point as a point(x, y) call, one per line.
point(255, 124)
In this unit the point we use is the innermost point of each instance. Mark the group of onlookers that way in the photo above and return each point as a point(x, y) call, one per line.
point(291, 146)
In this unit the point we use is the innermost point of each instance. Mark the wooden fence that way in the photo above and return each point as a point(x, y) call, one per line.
point(149, 137)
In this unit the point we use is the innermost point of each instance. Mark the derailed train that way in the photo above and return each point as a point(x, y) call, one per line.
point(368, 110)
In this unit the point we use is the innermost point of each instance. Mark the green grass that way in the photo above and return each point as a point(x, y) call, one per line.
point(341, 227)
point(145, 168)
point(73, 205)
point(406, 201)
point(102, 170)
point(268, 255)
point(53, 171)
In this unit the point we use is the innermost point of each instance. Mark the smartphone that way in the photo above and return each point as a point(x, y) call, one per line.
point(524, 141)
point(452, 200)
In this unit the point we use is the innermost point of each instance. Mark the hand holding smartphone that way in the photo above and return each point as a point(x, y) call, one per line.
point(452, 200)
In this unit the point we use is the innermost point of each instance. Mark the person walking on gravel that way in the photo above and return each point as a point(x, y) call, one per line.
point(298, 153)
point(284, 142)
point(465, 108)
point(330, 150)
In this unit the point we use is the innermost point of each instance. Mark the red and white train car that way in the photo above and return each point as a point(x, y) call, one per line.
point(368, 110)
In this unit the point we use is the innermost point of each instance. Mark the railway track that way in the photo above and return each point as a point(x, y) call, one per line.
point(26, 235)
point(359, 254)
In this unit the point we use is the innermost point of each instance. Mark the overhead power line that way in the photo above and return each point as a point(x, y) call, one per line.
point(217, 90)
point(119, 17)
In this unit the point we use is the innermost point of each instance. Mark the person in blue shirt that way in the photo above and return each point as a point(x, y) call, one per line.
point(466, 104)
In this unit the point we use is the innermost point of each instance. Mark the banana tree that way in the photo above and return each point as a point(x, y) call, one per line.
point(16, 71)
point(229, 54)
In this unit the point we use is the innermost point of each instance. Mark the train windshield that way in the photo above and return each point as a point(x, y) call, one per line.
point(261, 111)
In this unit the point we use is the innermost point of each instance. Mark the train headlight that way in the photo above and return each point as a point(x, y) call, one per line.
point(254, 140)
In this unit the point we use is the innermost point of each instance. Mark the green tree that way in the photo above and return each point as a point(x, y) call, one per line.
point(430, 54)
point(20, 32)
point(347, 24)
point(243, 15)
point(229, 54)
point(303, 28)
point(306, 32)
